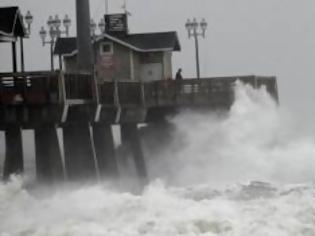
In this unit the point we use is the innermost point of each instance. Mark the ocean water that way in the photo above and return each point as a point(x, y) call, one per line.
point(246, 173)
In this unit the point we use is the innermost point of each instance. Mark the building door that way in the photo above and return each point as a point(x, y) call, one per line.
point(151, 72)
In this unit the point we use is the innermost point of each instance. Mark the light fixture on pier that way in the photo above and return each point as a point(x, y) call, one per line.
point(203, 26)
point(93, 27)
point(192, 29)
point(67, 24)
point(43, 34)
point(54, 23)
point(29, 20)
point(55, 31)
point(101, 25)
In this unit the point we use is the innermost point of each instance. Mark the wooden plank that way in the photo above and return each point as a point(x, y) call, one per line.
point(26, 74)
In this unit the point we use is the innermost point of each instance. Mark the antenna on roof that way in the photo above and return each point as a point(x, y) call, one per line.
point(124, 6)
point(106, 7)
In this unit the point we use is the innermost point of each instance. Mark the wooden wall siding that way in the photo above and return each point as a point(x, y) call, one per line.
point(120, 68)
point(118, 65)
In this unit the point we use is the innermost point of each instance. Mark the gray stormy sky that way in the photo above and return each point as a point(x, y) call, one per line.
point(263, 37)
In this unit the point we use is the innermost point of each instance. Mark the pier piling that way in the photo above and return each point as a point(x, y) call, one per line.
point(48, 155)
point(131, 142)
point(79, 155)
point(105, 150)
point(14, 152)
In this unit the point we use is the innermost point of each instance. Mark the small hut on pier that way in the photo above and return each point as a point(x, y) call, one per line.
point(121, 56)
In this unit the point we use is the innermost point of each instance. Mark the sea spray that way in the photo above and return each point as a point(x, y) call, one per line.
point(231, 175)
point(160, 210)
point(255, 140)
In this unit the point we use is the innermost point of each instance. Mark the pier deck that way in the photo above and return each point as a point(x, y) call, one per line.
point(35, 98)
point(43, 101)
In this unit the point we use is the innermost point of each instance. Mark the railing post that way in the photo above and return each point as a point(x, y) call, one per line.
point(95, 91)
point(117, 101)
point(143, 101)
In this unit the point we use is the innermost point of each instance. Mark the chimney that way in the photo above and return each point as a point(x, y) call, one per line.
point(84, 45)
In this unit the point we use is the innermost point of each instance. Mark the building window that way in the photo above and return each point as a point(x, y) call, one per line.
point(107, 48)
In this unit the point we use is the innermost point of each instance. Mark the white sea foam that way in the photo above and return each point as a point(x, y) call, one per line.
point(206, 184)
point(256, 140)
point(159, 211)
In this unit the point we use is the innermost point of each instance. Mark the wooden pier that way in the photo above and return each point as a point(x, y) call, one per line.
point(116, 77)
point(85, 110)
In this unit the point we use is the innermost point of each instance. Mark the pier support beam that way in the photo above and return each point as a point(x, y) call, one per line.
point(14, 152)
point(79, 154)
point(105, 150)
point(131, 141)
point(48, 155)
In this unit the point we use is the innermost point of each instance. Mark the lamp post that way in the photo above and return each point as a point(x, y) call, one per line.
point(93, 27)
point(100, 25)
point(29, 20)
point(192, 28)
point(54, 26)
point(54, 31)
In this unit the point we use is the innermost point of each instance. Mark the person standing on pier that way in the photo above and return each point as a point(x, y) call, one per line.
point(178, 75)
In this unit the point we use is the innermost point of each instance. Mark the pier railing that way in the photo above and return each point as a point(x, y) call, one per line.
point(31, 88)
point(40, 88)
point(213, 92)
point(78, 86)
point(44, 87)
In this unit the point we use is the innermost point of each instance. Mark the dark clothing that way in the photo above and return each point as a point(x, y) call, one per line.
point(178, 75)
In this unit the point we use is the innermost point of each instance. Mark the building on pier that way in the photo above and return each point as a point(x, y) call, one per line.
point(11, 29)
point(122, 56)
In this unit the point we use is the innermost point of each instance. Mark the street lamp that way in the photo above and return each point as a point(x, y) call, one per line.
point(101, 25)
point(192, 29)
point(54, 26)
point(93, 27)
point(29, 20)
point(54, 31)
point(67, 24)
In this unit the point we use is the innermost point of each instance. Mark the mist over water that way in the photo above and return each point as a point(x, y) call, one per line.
point(248, 172)
point(256, 140)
